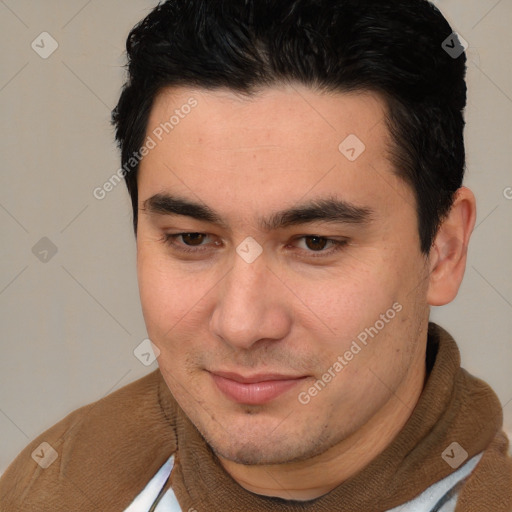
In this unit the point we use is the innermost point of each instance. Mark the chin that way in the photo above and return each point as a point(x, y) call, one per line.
point(264, 445)
point(251, 454)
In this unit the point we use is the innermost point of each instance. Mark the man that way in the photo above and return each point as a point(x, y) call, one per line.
point(295, 170)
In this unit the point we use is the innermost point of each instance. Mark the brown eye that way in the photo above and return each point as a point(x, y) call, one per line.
point(316, 243)
point(190, 243)
point(315, 246)
point(193, 239)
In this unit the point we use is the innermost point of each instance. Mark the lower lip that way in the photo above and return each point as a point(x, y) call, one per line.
point(255, 393)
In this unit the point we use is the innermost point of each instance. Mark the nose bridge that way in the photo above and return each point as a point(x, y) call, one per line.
point(247, 306)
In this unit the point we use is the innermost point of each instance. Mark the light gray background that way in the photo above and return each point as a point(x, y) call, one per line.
point(70, 325)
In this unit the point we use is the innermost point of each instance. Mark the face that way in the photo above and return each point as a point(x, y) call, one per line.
point(282, 328)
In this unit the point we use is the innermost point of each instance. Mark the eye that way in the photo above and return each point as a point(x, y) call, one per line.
point(191, 241)
point(317, 244)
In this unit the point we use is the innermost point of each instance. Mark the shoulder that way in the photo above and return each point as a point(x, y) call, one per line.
point(489, 487)
point(99, 455)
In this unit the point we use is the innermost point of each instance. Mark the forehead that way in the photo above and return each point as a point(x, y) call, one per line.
point(284, 116)
point(280, 138)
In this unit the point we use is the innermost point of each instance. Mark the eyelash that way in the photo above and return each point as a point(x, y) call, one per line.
point(168, 239)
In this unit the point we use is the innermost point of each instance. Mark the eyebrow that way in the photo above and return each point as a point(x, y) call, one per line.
point(328, 209)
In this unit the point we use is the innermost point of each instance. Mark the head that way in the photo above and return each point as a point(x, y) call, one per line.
point(313, 152)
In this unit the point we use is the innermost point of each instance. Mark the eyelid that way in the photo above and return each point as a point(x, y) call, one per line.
point(169, 239)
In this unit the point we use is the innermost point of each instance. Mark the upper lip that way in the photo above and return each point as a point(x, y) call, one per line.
point(260, 377)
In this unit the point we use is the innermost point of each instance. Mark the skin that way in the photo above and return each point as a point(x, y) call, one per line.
point(293, 310)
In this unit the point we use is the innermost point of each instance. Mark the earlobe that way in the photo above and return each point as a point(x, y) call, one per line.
point(448, 255)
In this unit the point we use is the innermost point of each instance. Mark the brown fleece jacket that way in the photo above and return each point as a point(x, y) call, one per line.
point(110, 449)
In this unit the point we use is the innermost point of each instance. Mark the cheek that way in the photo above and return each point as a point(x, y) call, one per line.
point(162, 295)
point(367, 310)
point(351, 299)
point(173, 297)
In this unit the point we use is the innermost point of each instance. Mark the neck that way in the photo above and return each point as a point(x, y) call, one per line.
point(310, 479)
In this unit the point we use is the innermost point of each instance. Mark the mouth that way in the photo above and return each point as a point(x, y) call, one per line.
point(256, 389)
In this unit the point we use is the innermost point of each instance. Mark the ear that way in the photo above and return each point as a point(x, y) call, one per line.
point(448, 254)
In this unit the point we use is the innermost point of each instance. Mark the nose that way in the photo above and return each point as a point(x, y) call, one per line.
point(250, 305)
